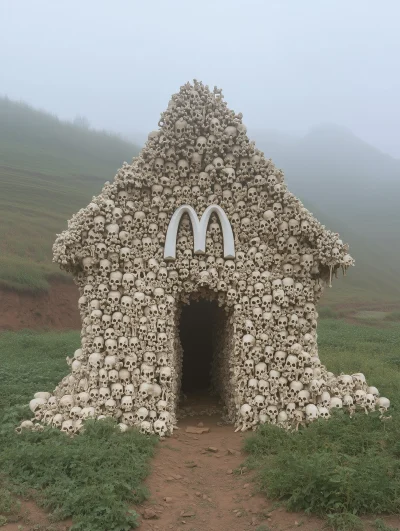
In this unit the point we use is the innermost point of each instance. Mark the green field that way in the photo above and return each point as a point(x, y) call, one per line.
point(49, 169)
point(356, 450)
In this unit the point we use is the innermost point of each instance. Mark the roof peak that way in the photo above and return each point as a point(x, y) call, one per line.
point(198, 133)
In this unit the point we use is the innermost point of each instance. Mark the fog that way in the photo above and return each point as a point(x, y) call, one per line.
point(286, 65)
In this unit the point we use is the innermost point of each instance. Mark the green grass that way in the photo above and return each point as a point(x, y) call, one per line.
point(372, 315)
point(92, 478)
point(340, 469)
point(381, 526)
point(392, 316)
point(349, 348)
point(49, 169)
point(343, 468)
point(326, 312)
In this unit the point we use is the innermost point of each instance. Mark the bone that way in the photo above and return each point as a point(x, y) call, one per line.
point(280, 259)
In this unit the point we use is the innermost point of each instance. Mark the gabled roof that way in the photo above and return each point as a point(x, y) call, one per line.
point(200, 143)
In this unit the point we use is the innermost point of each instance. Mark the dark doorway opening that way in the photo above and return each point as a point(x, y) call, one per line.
point(200, 327)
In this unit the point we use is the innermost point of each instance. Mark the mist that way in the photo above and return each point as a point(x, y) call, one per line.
point(287, 66)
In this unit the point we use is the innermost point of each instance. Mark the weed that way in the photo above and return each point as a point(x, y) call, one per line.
point(344, 522)
point(6, 501)
point(9, 507)
point(381, 526)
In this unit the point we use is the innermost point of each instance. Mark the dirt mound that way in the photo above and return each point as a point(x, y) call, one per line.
point(55, 310)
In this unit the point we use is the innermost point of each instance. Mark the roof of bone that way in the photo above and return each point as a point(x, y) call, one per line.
point(198, 137)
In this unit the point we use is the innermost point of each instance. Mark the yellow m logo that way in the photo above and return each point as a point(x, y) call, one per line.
point(199, 231)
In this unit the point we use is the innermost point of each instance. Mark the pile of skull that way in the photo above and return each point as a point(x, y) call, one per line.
point(266, 366)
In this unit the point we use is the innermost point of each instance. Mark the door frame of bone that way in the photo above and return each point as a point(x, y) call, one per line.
point(270, 275)
point(219, 331)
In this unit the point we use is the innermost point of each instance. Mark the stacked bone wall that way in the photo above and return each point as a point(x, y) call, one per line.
point(129, 363)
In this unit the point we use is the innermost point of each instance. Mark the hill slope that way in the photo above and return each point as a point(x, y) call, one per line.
point(353, 189)
point(48, 170)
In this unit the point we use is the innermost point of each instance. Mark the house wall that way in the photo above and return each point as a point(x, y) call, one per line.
point(131, 288)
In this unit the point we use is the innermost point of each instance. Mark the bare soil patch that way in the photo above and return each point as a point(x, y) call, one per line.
point(55, 310)
point(198, 483)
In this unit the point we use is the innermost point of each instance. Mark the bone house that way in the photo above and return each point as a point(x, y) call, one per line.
point(200, 215)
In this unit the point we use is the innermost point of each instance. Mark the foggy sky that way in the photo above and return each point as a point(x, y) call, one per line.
point(285, 64)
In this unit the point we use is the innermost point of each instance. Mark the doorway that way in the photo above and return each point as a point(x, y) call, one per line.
point(201, 328)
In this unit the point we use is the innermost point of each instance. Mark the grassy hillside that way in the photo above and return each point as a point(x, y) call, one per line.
point(48, 170)
point(353, 189)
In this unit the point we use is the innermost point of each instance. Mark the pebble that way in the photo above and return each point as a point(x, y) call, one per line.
point(229, 471)
point(149, 514)
point(212, 449)
point(168, 499)
point(197, 430)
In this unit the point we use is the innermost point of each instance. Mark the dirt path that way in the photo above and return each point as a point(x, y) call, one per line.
point(195, 486)
point(197, 483)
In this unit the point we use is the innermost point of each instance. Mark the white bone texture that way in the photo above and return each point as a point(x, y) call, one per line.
point(138, 253)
